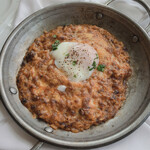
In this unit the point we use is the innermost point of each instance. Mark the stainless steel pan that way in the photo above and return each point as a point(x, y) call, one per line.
point(137, 41)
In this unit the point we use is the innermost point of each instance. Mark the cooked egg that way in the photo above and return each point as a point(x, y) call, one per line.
point(77, 60)
point(61, 88)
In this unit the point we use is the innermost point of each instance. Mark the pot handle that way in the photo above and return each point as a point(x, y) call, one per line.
point(144, 4)
point(37, 146)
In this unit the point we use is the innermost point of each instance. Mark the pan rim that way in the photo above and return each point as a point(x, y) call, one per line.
point(32, 131)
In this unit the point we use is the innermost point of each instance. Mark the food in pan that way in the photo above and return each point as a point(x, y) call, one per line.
point(74, 77)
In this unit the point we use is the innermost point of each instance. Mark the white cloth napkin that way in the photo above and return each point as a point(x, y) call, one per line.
point(12, 137)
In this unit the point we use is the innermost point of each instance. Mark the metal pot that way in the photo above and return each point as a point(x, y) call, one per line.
point(137, 106)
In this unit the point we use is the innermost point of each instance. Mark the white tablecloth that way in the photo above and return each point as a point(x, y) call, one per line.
point(13, 137)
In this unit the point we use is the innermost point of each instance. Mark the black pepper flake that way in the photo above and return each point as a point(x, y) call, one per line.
point(81, 111)
point(33, 107)
point(30, 55)
point(24, 101)
point(116, 92)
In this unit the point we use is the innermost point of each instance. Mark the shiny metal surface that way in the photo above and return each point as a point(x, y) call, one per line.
point(37, 146)
point(137, 106)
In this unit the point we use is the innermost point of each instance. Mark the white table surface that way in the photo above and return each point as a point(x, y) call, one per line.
point(13, 137)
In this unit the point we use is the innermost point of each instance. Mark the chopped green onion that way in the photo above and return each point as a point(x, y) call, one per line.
point(55, 45)
point(75, 76)
point(57, 42)
point(101, 67)
point(74, 63)
point(54, 36)
point(91, 69)
point(94, 66)
point(67, 55)
point(96, 56)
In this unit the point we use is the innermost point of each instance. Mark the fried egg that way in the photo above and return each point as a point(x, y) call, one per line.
point(77, 60)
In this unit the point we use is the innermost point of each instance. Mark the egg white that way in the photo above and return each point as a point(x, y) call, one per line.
point(75, 59)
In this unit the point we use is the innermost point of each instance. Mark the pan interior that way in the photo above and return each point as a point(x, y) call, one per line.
point(123, 29)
